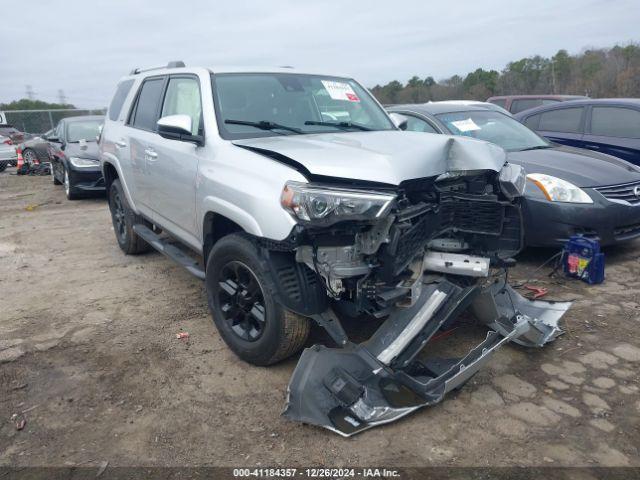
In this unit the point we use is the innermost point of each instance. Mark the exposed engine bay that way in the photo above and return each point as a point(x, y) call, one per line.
point(440, 247)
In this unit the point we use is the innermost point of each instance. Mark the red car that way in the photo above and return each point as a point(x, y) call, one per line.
point(520, 103)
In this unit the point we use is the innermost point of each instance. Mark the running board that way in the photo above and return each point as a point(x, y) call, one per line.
point(170, 250)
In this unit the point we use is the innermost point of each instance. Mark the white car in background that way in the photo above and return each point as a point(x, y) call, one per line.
point(8, 155)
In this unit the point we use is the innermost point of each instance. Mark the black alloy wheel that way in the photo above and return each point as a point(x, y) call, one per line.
point(119, 214)
point(242, 301)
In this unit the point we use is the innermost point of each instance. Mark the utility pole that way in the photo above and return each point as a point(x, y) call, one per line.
point(62, 97)
point(30, 93)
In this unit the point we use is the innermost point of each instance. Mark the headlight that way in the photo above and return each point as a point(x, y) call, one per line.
point(83, 162)
point(326, 205)
point(558, 190)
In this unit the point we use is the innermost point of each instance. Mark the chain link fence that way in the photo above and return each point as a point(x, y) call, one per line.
point(40, 121)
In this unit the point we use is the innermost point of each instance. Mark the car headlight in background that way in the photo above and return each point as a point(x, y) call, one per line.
point(558, 190)
point(326, 205)
point(83, 162)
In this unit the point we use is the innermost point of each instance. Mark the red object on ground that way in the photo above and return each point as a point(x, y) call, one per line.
point(20, 159)
point(537, 291)
point(182, 335)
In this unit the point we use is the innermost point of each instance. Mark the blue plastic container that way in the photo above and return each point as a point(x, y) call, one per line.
point(582, 259)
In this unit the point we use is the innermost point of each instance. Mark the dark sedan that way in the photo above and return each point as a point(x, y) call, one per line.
point(570, 191)
point(607, 125)
point(74, 157)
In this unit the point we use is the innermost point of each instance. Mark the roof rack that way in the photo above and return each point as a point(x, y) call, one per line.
point(173, 64)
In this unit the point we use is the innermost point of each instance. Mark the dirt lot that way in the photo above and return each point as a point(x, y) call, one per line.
point(88, 350)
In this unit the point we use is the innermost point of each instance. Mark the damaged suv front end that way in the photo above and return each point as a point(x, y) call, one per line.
point(415, 256)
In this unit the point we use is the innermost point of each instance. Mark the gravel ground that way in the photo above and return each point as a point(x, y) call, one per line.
point(88, 352)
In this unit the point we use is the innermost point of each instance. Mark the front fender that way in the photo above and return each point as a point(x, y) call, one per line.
point(227, 209)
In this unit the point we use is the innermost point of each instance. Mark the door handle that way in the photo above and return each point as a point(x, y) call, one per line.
point(150, 154)
point(120, 144)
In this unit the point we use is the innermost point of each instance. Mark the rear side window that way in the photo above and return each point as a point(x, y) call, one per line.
point(501, 102)
point(118, 99)
point(532, 122)
point(615, 122)
point(145, 114)
point(565, 120)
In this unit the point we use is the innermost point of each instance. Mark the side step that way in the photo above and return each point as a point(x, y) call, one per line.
point(170, 250)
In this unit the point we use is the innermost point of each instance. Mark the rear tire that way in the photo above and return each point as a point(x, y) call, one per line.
point(241, 294)
point(124, 219)
point(30, 157)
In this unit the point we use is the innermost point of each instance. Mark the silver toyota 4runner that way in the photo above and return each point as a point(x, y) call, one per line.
point(297, 199)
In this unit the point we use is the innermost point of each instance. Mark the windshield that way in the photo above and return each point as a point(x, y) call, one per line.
point(85, 130)
point(493, 127)
point(266, 104)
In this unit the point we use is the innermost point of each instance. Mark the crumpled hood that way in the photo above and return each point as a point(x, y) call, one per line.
point(389, 157)
point(583, 168)
point(78, 150)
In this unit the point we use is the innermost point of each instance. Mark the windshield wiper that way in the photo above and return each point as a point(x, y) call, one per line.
point(537, 147)
point(263, 125)
point(339, 125)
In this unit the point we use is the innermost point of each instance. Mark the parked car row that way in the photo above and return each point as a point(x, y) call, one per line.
point(610, 126)
point(570, 190)
point(70, 148)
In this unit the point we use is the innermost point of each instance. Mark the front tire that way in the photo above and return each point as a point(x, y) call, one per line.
point(53, 167)
point(241, 294)
point(69, 189)
point(123, 219)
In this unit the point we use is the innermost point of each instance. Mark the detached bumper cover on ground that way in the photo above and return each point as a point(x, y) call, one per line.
point(351, 389)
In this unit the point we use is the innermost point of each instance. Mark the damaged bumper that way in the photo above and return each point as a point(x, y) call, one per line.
point(359, 386)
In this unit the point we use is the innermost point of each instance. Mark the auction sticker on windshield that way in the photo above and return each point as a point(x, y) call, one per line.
point(340, 91)
point(467, 125)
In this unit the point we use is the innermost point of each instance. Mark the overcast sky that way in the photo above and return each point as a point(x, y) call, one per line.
point(84, 46)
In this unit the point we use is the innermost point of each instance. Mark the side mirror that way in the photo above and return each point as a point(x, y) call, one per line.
point(400, 121)
point(174, 125)
point(178, 127)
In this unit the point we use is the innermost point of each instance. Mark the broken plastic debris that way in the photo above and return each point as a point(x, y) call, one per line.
point(20, 420)
point(181, 335)
point(537, 292)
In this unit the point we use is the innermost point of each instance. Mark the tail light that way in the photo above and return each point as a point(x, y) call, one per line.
point(8, 141)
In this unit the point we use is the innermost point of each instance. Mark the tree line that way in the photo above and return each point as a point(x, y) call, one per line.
point(29, 104)
point(597, 73)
